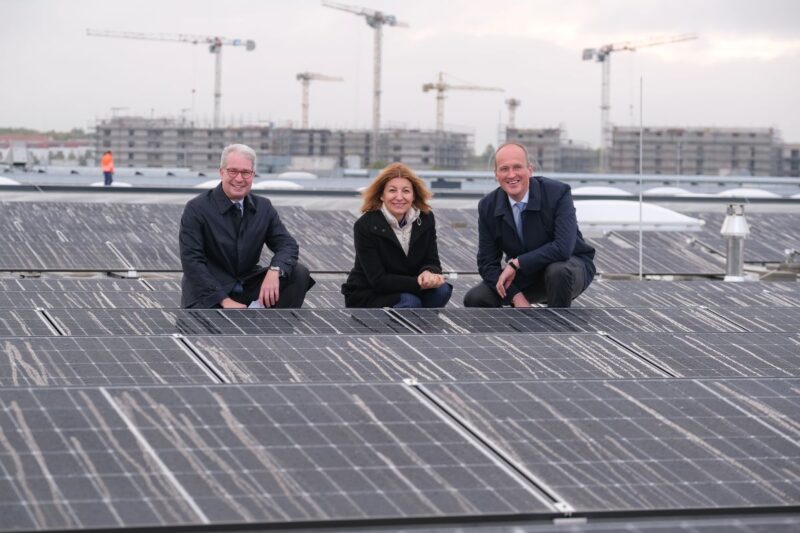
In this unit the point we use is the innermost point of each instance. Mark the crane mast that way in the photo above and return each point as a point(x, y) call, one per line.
point(375, 20)
point(305, 78)
point(215, 44)
point(603, 55)
point(512, 104)
point(441, 87)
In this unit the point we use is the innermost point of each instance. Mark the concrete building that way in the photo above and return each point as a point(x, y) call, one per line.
point(552, 151)
point(141, 142)
point(707, 151)
point(790, 160)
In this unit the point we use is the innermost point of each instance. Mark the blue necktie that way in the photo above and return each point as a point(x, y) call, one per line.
point(518, 208)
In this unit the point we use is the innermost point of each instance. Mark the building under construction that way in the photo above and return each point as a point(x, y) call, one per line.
point(706, 151)
point(552, 151)
point(141, 142)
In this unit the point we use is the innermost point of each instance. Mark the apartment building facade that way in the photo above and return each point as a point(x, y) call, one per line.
point(139, 142)
point(706, 151)
point(552, 151)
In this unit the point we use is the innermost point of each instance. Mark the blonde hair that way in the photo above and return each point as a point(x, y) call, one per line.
point(372, 194)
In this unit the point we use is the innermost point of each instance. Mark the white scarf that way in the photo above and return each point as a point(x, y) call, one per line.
point(403, 234)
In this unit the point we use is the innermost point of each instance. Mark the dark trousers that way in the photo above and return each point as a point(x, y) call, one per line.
point(429, 298)
point(558, 285)
point(293, 288)
point(108, 178)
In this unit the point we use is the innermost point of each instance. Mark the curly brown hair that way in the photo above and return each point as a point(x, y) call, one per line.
point(372, 194)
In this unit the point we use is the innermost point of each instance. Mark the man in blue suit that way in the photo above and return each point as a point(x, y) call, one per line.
point(531, 220)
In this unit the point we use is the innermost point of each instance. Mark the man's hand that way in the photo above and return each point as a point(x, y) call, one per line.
point(230, 303)
point(270, 289)
point(429, 280)
point(506, 277)
point(519, 300)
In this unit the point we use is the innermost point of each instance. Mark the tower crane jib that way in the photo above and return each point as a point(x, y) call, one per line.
point(602, 55)
point(215, 44)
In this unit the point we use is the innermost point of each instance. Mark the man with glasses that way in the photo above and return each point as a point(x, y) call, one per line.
point(222, 234)
point(531, 220)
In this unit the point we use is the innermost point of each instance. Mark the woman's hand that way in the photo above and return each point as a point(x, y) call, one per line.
point(429, 280)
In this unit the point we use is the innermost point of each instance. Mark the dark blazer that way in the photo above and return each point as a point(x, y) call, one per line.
point(548, 225)
point(382, 270)
point(218, 250)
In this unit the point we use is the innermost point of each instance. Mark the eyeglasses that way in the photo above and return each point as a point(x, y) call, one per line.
point(233, 172)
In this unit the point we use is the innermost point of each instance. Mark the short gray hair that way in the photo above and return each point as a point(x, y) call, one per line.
point(243, 149)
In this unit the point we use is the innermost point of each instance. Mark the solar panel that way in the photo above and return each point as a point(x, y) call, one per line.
point(774, 319)
point(104, 322)
point(654, 293)
point(637, 444)
point(89, 299)
point(23, 323)
point(325, 238)
point(315, 321)
point(89, 237)
point(573, 320)
point(323, 300)
point(770, 235)
point(161, 456)
point(73, 284)
point(644, 320)
point(369, 358)
point(671, 253)
point(504, 320)
point(775, 401)
point(163, 284)
point(61, 361)
point(714, 355)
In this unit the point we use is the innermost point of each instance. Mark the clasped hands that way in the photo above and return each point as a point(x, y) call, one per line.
point(506, 278)
point(429, 280)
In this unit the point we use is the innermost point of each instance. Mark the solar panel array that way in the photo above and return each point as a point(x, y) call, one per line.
point(118, 237)
point(145, 415)
point(644, 405)
point(771, 234)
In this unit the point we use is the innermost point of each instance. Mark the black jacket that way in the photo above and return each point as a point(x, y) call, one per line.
point(548, 224)
point(382, 270)
point(217, 250)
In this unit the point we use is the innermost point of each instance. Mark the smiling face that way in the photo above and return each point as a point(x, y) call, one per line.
point(398, 197)
point(236, 187)
point(512, 171)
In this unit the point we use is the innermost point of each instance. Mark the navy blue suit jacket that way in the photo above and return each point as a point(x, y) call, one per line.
point(218, 251)
point(549, 227)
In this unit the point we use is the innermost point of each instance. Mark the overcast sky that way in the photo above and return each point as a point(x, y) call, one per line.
point(744, 70)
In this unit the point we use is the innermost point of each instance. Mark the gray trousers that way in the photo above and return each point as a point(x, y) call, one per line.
point(557, 285)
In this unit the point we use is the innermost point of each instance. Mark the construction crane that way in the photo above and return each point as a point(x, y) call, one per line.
point(375, 20)
point(440, 87)
point(215, 45)
point(305, 78)
point(512, 104)
point(603, 55)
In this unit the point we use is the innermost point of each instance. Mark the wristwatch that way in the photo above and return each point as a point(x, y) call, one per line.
point(278, 270)
point(512, 265)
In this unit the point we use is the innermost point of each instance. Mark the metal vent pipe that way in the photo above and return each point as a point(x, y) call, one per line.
point(735, 230)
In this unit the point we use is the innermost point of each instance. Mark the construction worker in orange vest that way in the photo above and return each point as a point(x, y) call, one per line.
point(107, 164)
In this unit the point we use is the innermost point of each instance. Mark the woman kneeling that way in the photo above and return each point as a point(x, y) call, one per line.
point(397, 259)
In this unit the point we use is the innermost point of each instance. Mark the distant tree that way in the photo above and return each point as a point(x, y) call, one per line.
point(377, 165)
point(481, 161)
